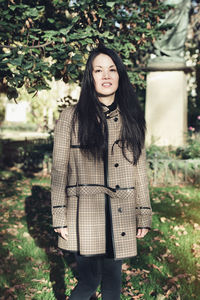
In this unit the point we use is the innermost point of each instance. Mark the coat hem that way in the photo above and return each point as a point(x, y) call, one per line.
point(97, 255)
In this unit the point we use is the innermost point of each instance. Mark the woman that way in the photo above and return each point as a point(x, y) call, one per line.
point(100, 199)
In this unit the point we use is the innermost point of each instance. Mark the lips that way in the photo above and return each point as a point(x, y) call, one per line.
point(107, 84)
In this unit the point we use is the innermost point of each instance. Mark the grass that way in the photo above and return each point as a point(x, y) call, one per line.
point(167, 266)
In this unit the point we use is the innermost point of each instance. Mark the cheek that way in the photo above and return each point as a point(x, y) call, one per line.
point(97, 84)
point(95, 80)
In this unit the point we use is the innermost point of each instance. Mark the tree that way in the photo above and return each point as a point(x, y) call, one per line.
point(43, 39)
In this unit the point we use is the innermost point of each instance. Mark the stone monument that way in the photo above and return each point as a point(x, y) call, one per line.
point(17, 112)
point(166, 95)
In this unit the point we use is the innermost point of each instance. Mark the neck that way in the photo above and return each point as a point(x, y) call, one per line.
point(107, 100)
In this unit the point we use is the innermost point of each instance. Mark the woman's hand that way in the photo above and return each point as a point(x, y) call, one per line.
point(141, 232)
point(63, 232)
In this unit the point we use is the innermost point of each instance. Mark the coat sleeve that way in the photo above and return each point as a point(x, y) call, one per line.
point(143, 206)
point(59, 170)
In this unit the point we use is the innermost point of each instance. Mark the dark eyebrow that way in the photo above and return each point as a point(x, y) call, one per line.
point(101, 66)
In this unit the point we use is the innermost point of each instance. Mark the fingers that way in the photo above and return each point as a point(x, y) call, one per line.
point(63, 232)
point(141, 233)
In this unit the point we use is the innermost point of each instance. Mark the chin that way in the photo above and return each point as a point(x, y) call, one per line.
point(106, 94)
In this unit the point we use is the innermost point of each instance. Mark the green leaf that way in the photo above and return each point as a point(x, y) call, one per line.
point(17, 61)
point(51, 20)
point(31, 90)
point(74, 20)
point(65, 31)
point(28, 66)
point(110, 4)
point(34, 37)
point(36, 51)
point(12, 7)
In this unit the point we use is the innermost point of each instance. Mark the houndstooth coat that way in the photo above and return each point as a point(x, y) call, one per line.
point(78, 189)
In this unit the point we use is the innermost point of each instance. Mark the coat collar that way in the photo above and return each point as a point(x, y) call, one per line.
point(110, 114)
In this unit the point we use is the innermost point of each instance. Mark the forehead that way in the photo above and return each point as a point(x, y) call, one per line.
point(102, 60)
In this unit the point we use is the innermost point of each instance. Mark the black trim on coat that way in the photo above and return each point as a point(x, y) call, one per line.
point(58, 206)
point(108, 214)
point(144, 228)
point(128, 188)
point(59, 227)
point(75, 146)
point(102, 185)
point(78, 146)
point(143, 207)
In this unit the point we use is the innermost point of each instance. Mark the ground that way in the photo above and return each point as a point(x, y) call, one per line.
point(167, 266)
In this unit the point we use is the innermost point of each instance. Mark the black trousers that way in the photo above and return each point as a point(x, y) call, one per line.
point(93, 271)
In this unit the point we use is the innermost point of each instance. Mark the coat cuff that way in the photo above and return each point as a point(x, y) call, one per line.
point(144, 221)
point(59, 216)
point(59, 222)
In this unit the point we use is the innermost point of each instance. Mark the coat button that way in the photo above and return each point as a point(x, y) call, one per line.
point(117, 187)
point(116, 165)
point(120, 209)
point(123, 233)
point(116, 119)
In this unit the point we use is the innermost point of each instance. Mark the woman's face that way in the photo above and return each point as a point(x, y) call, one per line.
point(105, 75)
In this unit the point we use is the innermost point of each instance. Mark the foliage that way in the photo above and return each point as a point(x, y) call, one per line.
point(44, 39)
point(167, 266)
point(40, 106)
point(191, 150)
point(170, 172)
point(30, 156)
point(9, 126)
point(42, 109)
point(158, 152)
point(169, 165)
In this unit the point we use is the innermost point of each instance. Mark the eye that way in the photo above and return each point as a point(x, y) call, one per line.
point(97, 71)
point(113, 70)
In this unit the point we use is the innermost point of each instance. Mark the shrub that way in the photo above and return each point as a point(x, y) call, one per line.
point(158, 152)
point(191, 150)
point(18, 126)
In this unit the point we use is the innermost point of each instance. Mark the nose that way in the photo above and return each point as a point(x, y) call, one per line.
point(106, 74)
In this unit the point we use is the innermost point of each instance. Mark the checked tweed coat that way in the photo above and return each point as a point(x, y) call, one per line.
point(79, 187)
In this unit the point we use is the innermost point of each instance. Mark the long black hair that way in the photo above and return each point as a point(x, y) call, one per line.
point(91, 118)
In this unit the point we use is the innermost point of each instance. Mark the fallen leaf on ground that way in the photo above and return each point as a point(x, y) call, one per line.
point(160, 297)
point(125, 267)
point(170, 291)
point(163, 219)
point(196, 226)
point(43, 280)
point(196, 250)
point(12, 231)
point(155, 267)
